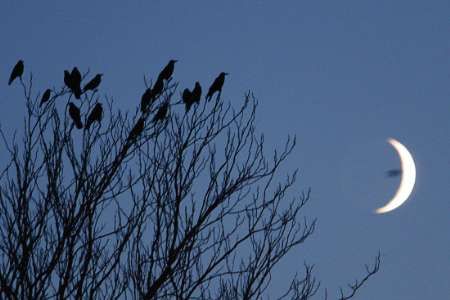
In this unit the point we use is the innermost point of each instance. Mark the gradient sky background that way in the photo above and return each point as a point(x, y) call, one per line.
point(343, 76)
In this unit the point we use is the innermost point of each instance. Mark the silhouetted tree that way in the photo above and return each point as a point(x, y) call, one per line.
point(188, 208)
point(17, 71)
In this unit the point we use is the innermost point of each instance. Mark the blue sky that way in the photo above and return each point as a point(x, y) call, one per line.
point(343, 76)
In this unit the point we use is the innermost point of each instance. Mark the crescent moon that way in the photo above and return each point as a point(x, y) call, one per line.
point(408, 178)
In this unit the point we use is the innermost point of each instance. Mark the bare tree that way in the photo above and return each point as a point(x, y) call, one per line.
point(184, 207)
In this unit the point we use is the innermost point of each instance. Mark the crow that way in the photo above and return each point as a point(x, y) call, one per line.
point(197, 92)
point(187, 99)
point(45, 96)
point(75, 79)
point(96, 115)
point(167, 72)
point(17, 71)
point(146, 99)
point(137, 130)
point(68, 79)
point(161, 113)
point(94, 83)
point(74, 113)
point(158, 87)
point(216, 86)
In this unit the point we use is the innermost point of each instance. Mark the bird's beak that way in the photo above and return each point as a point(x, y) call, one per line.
point(227, 73)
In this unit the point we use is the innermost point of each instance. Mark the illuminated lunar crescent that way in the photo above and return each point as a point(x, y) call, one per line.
point(408, 178)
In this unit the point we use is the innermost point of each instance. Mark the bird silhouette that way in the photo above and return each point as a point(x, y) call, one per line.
point(17, 71)
point(197, 92)
point(146, 99)
point(68, 79)
point(167, 72)
point(74, 113)
point(161, 113)
point(216, 86)
point(393, 173)
point(137, 129)
point(45, 96)
point(96, 115)
point(75, 79)
point(94, 83)
point(187, 99)
point(158, 87)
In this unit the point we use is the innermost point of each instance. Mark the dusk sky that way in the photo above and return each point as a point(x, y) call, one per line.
point(342, 76)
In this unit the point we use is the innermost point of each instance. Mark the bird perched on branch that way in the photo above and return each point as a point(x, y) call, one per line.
point(73, 81)
point(75, 77)
point(158, 87)
point(187, 99)
point(17, 71)
point(216, 86)
point(162, 112)
point(167, 72)
point(94, 83)
point(137, 129)
point(74, 113)
point(45, 96)
point(146, 99)
point(96, 115)
point(197, 92)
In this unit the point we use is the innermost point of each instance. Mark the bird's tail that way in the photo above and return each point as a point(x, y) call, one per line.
point(79, 124)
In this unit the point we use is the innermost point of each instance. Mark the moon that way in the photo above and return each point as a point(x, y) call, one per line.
point(408, 178)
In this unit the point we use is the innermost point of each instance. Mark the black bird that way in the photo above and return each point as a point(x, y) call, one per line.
point(75, 79)
point(137, 130)
point(216, 86)
point(68, 79)
point(393, 173)
point(17, 71)
point(162, 112)
point(94, 83)
point(197, 92)
point(158, 87)
point(96, 115)
point(187, 99)
point(167, 72)
point(74, 113)
point(146, 99)
point(45, 96)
